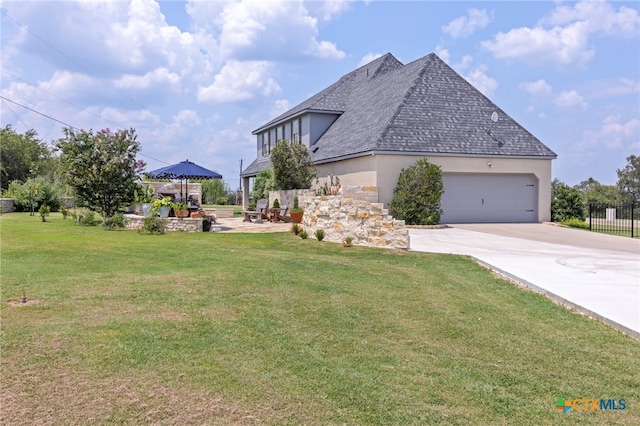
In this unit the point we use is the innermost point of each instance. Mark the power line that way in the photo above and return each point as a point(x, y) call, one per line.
point(38, 112)
point(14, 113)
point(72, 60)
point(58, 97)
point(61, 122)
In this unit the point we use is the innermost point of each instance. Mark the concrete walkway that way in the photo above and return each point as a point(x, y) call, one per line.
point(596, 274)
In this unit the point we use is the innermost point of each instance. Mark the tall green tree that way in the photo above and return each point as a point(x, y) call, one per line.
point(101, 167)
point(629, 179)
point(416, 197)
point(596, 193)
point(292, 165)
point(22, 156)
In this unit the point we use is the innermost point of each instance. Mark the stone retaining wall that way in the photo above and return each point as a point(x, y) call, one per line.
point(351, 213)
point(135, 222)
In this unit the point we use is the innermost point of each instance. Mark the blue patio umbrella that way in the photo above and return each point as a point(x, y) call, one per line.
point(184, 170)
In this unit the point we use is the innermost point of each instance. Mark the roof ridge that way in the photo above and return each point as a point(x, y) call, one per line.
point(410, 88)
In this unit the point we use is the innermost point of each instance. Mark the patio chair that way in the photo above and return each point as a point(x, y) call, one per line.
point(283, 214)
point(261, 211)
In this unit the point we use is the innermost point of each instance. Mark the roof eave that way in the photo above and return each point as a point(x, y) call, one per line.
point(433, 154)
point(292, 116)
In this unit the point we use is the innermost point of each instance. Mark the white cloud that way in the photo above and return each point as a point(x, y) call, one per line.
point(368, 58)
point(272, 30)
point(160, 78)
point(239, 81)
point(562, 38)
point(464, 26)
point(279, 106)
point(481, 81)
point(613, 134)
point(442, 53)
point(558, 45)
point(601, 17)
point(570, 99)
point(536, 88)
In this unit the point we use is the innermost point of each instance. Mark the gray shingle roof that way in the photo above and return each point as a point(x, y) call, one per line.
point(421, 108)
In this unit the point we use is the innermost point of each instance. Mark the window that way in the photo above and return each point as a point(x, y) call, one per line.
point(264, 138)
point(269, 142)
point(295, 131)
point(279, 133)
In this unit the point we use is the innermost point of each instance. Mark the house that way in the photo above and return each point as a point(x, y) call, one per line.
point(382, 117)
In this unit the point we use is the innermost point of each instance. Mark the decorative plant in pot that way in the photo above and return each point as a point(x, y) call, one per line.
point(296, 212)
point(163, 206)
point(181, 210)
point(143, 196)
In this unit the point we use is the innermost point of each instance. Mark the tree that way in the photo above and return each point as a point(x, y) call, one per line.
point(567, 203)
point(596, 193)
point(101, 167)
point(292, 165)
point(416, 197)
point(629, 179)
point(214, 191)
point(264, 182)
point(22, 156)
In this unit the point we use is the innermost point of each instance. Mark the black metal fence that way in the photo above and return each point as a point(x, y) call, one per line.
point(615, 219)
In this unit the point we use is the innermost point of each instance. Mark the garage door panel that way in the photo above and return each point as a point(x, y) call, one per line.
point(489, 198)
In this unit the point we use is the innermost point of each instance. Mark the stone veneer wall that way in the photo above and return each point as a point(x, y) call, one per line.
point(134, 223)
point(353, 213)
point(173, 188)
point(6, 205)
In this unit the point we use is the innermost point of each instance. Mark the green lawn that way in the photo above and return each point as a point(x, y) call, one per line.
point(210, 328)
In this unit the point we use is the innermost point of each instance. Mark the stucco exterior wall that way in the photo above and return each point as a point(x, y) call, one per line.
point(383, 171)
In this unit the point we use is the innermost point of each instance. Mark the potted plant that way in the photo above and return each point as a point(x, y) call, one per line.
point(296, 212)
point(162, 206)
point(143, 196)
point(181, 210)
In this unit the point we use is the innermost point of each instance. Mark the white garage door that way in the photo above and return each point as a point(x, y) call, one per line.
point(471, 197)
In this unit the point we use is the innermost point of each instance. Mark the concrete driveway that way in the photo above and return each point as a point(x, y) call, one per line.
point(596, 274)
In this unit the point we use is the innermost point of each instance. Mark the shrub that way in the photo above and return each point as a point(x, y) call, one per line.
point(416, 197)
point(319, 234)
point(347, 241)
point(44, 211)
point(303, 234)
point(64, 211)
point(296, 228)
point(114, 222)
point(87, 218)
point(574, 222)
point(263, 183)
point(567, 203)
point(154, 225)
point(37, 191)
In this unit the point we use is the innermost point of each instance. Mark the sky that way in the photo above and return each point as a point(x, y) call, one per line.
point(195, 78)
